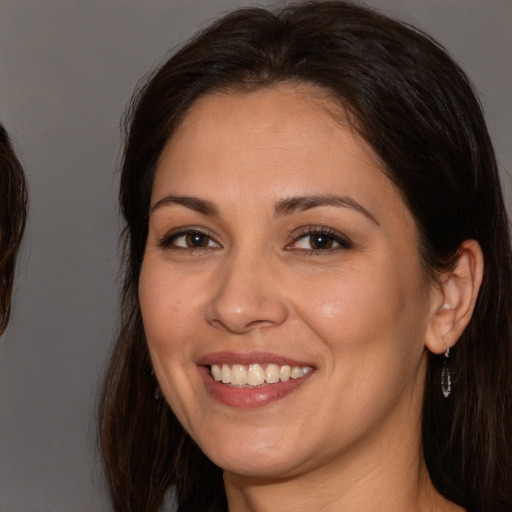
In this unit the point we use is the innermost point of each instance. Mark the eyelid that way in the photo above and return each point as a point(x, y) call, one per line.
point(166, 241)
point(340, 238)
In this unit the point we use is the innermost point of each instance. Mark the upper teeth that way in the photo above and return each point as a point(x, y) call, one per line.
point(255, 374)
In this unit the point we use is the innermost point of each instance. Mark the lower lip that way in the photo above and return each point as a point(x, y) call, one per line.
point(250, 397)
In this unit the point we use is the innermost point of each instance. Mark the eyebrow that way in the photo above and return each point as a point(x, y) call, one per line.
point(193, 203)
point(303, 203)
point(283, 207)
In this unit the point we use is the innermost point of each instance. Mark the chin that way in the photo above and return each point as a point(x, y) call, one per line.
point(261, 462)
point(260, 470)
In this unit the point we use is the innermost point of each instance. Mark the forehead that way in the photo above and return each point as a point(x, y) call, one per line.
point(292, 131)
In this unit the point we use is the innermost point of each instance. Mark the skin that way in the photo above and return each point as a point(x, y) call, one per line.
point(360, 312)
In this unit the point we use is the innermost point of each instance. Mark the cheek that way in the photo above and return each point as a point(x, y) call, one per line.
point(168, 308)
point(377, 306)
point(169, 313)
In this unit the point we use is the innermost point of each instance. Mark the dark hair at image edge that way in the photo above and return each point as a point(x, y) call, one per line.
point(13, 212)
point(416, 109)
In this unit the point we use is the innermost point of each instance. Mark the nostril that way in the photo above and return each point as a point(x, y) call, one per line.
point(241, 327)
point(259, 324)
point(241, 302)
point(256, 313)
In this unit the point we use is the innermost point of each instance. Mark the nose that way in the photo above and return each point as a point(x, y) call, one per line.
point(246, 296)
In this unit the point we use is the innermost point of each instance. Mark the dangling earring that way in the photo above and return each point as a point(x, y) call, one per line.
point(446, 379)
point(157, 393)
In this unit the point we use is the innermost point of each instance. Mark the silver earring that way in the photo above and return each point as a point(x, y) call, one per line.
point(446, 379)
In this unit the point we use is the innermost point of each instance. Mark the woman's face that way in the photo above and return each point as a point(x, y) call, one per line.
point(280, 255)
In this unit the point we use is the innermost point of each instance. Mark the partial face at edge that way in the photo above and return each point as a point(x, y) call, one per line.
point(276, 239)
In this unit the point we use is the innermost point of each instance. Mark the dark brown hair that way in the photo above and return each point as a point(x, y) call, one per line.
point(416, 108)
point(13, 212)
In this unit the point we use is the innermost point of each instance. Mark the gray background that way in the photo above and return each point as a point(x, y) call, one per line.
point(67, 70)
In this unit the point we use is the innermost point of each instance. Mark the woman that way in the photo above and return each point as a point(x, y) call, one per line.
point(13, 192)
point(315, 309)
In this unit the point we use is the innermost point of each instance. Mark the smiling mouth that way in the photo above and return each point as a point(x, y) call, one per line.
point(256, 375)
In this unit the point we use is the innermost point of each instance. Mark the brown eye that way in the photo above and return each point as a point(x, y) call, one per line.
point(321, 241)
point(189, 240)
point(196, 240)
point(317, 242)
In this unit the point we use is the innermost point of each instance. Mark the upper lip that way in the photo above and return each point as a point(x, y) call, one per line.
point(247, 358)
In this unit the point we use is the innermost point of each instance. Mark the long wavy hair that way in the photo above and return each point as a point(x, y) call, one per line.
point(416, 108)
point(13, 213)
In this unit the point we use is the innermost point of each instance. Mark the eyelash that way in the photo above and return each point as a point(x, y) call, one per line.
point(330, 235)
point(167, 241)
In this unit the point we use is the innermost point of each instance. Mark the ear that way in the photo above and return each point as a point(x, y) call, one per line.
point(453, 298)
